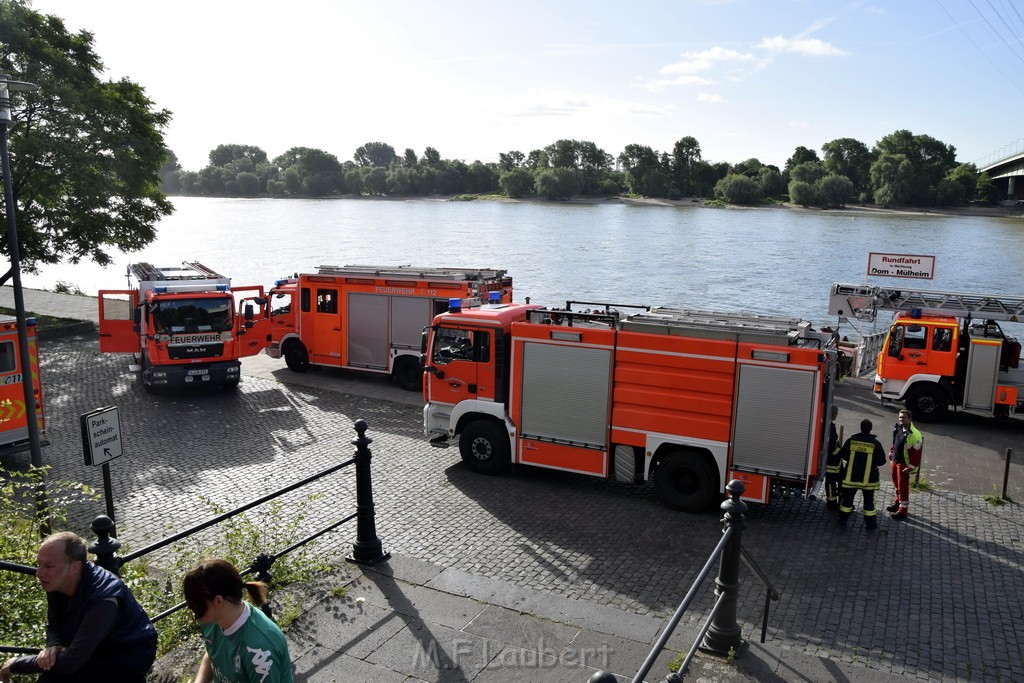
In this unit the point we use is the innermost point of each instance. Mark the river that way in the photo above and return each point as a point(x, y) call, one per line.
point(764, 260)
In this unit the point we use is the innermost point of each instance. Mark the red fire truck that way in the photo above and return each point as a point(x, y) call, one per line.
point(13, 412)
point(185, 324)
point(943, 348)
point(369, 318)
point(688, 399)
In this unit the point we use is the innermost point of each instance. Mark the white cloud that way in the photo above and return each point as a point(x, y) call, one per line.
point(804, 46)
point(701, 61)
point(708, 97)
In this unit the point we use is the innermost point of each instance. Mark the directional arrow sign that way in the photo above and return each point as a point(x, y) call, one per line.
point(101, 436)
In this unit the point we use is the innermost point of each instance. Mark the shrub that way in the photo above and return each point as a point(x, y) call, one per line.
point(833, 191)
point(738, 189)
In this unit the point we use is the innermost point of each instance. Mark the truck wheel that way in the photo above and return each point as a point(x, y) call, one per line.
point(484, 447)
point(686, 481)
point(408, 373)
point(296, 358)
point(927, 403)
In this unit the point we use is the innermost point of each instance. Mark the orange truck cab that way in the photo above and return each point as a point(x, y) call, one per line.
point(687, 399)
point(369, 318)
point(186, 325)
point(14, 415)
point(942, 349)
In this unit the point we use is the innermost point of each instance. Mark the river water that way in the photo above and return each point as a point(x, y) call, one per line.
point(766, 260)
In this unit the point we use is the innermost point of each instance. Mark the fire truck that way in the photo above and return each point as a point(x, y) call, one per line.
point(13, 412)
point(943, 348)
point(185, 324)
point(688, 399)
point(369, 318)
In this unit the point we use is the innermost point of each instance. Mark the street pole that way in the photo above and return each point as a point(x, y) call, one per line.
point(31, 417)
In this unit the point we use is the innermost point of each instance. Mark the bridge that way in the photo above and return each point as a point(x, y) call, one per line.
point(1005, 171)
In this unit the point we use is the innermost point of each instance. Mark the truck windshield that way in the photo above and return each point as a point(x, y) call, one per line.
point(177, 316)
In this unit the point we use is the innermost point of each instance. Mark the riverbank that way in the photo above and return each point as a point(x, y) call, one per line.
point(991, 211)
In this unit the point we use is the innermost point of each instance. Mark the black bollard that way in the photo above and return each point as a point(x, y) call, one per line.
point(724, 634)
point(367, 549)
point(105, 546)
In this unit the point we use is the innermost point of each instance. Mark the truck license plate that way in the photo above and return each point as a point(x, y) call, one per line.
point(195, 373)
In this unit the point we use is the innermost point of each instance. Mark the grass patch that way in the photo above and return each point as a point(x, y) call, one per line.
point(920, 485)
point(45, 321)
point(339, 591)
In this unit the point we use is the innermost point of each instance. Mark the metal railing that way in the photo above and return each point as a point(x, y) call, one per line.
point(721, 634)
point(367, 548)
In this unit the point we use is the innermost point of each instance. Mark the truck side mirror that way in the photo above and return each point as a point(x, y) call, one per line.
point(248, 316)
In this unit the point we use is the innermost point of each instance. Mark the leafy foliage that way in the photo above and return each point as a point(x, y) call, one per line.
point(86, 153)
point(736, 188)
point(833, 191)
point(23, 619)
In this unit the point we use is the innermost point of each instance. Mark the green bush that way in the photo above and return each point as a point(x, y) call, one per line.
point(736, 188)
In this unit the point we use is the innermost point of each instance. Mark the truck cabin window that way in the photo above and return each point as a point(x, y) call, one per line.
point(326, 301)
point(451, 345)
point(942, 339)
point(182, 316)
point(281, 304)
point(916, 337)
point(8, 361)
point(895, 341)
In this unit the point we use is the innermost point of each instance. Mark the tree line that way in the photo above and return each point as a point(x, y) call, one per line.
point(900, 169)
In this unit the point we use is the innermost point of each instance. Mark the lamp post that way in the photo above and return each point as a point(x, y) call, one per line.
point(31, 418)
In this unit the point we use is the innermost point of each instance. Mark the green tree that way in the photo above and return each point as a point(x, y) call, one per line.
point(930, 160)
point(967, 176)
point(949, 193)
point(248, 184)
point(510, 160)
point(375, 154)
point(376, 181)
point(685, 155)
point(802, 193)
point(643, 170)
point(737, 188)
point(516, 183)
point(409, 160)
point(86, 153)
point(770, 180)
point(319, 172)
point(807, 172)
point(892, 176)
point(222, 155)
point(851, 158)
point(750, 168)
point(431, 159)
point(833, 191)
point(986, 190)
point(557, 183)
point(801, 155)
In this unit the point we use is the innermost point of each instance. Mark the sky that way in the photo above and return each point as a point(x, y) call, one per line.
point(472, 79)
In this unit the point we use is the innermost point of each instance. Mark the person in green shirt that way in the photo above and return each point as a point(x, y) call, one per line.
point(243, 645)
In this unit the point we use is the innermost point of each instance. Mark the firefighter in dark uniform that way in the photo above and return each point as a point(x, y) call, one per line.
point(833, 473)
point(861, 456)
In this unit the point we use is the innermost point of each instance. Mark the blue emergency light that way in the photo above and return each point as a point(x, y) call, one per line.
point(915, 313)
point(454, 305)
point(494, 297)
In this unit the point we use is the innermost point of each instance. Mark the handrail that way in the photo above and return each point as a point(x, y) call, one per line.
point(720, 634)
point(666, 632)
point(231, 513)
point(367, 548)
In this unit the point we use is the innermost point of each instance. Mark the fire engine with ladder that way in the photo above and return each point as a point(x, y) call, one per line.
point(13, 412)
point(688, 399)
point(369, 318)
point(943, 348)
point(185, 324)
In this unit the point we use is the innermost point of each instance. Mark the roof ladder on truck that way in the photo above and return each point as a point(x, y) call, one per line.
point(863, 302)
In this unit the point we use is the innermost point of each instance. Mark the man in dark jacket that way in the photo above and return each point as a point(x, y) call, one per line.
point(95, 629)
point(833, 473)
point(861, 456)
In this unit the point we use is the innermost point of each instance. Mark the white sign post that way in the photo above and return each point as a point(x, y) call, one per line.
point(101, 441)
point(917, 266)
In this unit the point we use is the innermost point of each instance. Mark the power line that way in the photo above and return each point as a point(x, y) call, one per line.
point(982, 52)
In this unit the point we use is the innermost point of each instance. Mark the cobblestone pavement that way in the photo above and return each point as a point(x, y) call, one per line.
point(939, 596)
